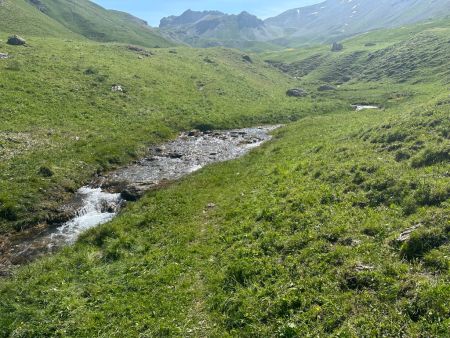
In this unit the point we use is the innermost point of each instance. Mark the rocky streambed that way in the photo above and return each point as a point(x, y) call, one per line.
point(101, 201)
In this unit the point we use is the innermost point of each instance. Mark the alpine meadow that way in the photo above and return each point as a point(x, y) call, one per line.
point(223, 175)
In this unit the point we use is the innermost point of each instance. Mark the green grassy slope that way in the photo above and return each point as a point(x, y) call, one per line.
point(19, 17)
point(58, 111)
point(304, 236)
point(407, 54)
point(96, 23)
point(302, 242)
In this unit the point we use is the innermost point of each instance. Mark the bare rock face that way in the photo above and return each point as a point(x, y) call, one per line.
point(296, 92)
point(325, 88)
point(337, 47)
point(247, 58)
point(139, 50)
point(406, 234)
point(16, 40)
point(39, 5)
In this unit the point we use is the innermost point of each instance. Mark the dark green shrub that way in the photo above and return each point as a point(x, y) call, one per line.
point(421, 242)
point(430, 195)
point(402, 156)
point(45, 172)
point(431, 303)
point(431, 157)
point(90, 71)
point(8, 212)
point(436, 260)
point(359, 280)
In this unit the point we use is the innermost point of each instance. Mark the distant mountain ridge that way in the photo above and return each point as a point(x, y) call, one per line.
point(211, 28)
point(334, 19)
point(324, 22)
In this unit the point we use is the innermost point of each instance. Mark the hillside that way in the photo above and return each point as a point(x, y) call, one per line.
point(96, 23)
point(19, 17)
point(416, 53)
point(337, 227)
point(76, 125)
point(326, 231)
point(332, 20)
point(75, 19)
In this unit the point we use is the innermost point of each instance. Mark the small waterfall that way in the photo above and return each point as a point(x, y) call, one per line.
point(98, 207)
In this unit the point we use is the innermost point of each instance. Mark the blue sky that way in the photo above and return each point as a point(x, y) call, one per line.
point(153, 11)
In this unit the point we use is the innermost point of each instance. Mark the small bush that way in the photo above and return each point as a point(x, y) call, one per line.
point(45, 172)
point(437, 261)
point(359, 280)
point(428, 195)
point(402, 156)
point(90, 71)
point(8, 212)
point(421, 242)
point(431, 157)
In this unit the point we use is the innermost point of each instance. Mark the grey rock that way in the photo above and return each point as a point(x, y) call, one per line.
point(296, 92)
point(247, 58)
point(364, 267)
point(337, 47)
point(406, 235)
point(16, 40)
point(325, 88)
point(131, 194)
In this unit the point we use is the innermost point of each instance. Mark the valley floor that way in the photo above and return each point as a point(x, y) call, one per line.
point(306, 238)
point(339, 226)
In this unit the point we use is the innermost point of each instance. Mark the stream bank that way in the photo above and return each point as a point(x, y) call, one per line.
point(103, 199)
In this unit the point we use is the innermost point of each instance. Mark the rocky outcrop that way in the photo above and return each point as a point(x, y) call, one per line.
point(16, 40)
point(296, 92)
point(139, 50)
point(337, 47)
point(4, 56)
point(39, 5)
point(247, 58)
point(325, 88)
point(247, 20)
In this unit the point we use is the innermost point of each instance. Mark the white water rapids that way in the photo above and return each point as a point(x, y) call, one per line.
point(99, 207)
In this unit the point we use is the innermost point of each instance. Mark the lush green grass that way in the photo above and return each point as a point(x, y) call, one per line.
point(19, 17)
point(302, 242)
point(90, 20)
point(75, 20)
point(58, 111)
point(413, 54)
point(303, 238)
